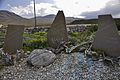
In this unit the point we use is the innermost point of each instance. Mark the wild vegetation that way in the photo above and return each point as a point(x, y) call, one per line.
point(35, 41)
point(39, 39)
point(78, 37)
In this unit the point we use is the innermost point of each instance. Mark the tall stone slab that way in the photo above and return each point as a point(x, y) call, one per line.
point(58, 32)
point(13, 39)
point(107, 37)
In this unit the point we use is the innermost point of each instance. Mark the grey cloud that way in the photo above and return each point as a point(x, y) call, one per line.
point(29, 15)
point(41, 11)
point(44, 1)
point(112, 7)
point(54, 6)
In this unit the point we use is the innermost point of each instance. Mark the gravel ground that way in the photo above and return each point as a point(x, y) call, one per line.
point(73, 66)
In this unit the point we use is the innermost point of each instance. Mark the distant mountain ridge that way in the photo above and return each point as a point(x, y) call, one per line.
point(7, 17)
point(49, 16)
point(48, 19)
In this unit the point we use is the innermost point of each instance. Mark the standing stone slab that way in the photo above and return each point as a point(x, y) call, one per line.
point(58, 32)
point(107, 37)
point(13, 39)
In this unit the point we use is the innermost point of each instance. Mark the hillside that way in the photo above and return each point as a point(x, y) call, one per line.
point(7, 18)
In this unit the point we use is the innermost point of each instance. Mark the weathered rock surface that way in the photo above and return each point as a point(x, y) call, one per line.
point(107, 38)
point(13, 39)
point(58, 32)
point(41, 57)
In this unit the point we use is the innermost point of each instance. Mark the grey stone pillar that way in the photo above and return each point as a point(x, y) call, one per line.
point(107, 37)
point(13, 39)
point(58, 32)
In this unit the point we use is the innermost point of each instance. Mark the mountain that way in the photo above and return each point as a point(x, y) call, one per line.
point(44, 20)
point(85, 21)
point(49, 16)
point(48, 19)
point(10, 18)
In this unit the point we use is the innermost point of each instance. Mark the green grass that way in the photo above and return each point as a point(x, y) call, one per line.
point(39, 39)
point(2, 34)
point(79, 37)
point(35, 41)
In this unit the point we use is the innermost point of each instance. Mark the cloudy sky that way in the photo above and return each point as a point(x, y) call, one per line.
point(71, 8)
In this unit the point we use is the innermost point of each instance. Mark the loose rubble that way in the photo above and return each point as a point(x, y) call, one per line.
point(75, 66)
point(6, 59)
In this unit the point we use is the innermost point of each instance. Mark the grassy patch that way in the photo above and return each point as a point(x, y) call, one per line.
point(35, 41)
point(78, 37)
point(2, 34)
point(39, 39)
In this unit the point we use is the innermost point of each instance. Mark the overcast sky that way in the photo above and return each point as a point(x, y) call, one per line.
point(71, 8)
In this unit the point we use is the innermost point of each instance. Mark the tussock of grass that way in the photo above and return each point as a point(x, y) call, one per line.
point(79, 37)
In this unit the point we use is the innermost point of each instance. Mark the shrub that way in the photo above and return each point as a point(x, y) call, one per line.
point(93, 28)
point(78, 37)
